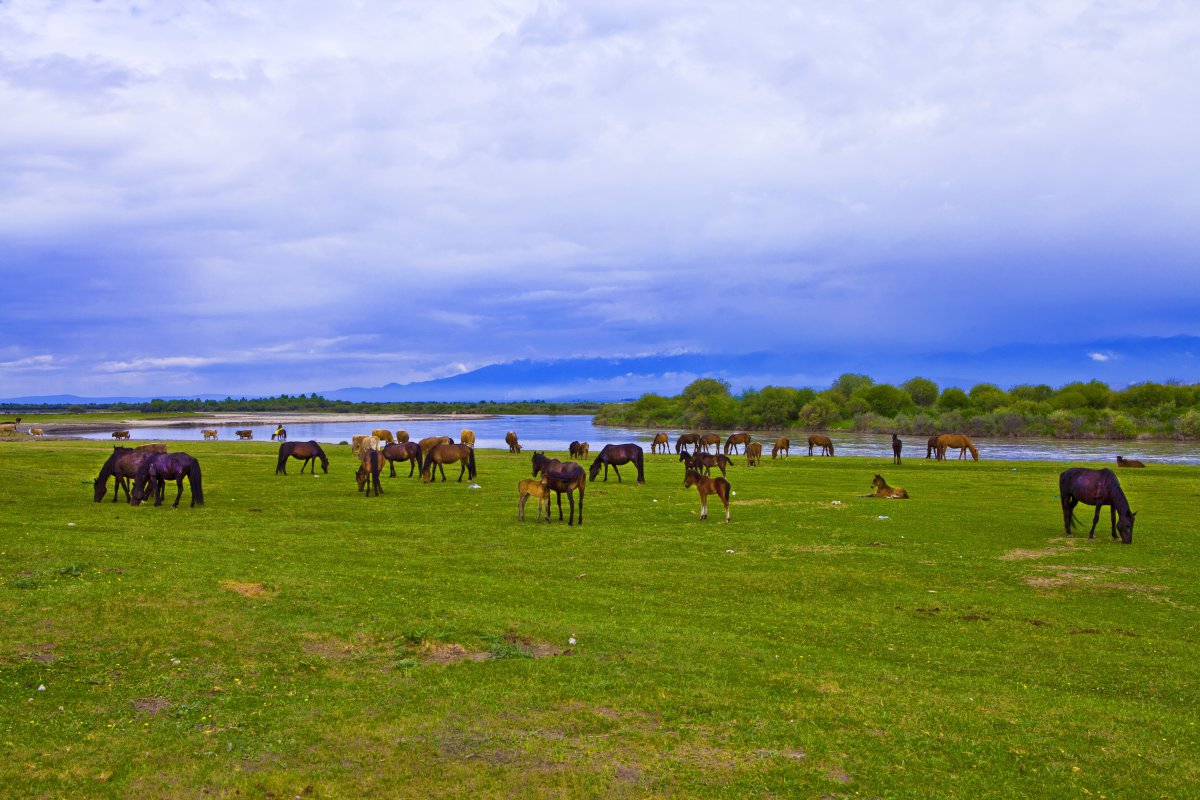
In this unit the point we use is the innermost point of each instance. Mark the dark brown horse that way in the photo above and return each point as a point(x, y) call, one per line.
point(824, 442)
point(705, 461)
point(1099, 488)
point(782, 447)
point(510, 439)
point(279, 433)
point(447, 454)
point(1129, 462)
point(159, 468)
point(754, 454)
point(307, 452)
point(708, 440)
point(403, 451)
point(734, 440)
point(661, 440)
point(616, 455)
point(562, 477)
point(897, 446)
point(123, 466)
point(706, 486)
point(578, 449)
point(931, 450)
point(685, 439)
point(370, 464)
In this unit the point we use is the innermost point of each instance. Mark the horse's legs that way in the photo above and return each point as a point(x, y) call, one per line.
point(1112, 510)
point(1095, 519)
point(703, 505)
point(412, 465)
point(617, 472)
point(560, 514)
point(462, 471)
point(179, 494)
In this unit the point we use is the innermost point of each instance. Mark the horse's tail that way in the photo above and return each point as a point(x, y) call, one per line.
point(197, 486)
point(471, 464)
point(641, 468)
point(281, 465)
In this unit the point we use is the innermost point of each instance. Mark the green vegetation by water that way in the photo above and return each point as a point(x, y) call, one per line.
point(312, 403)
point(295, 638)
point(919, 406)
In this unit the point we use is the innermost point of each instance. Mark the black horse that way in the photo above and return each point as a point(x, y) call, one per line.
point(615, 455)
point(305, 451)
point(123, 465)
point(403, 451)
point(562, 476)
point(897, 446)
point(154, 472)
point(1095, 487)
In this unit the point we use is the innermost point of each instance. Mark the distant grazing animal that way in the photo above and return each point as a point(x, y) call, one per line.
point(280, 432)
point(686, 439)
point(156, 447)
point(467, 437)
point(8, 427)
point(956, 441)
point(369, 465)
point(885, 491)
point(562, 477)
point(754, 454)
point(246, 434)
point(535, 487)
point(429, 442)
point(120, 434)
point(209, 433)
point(734, 440)
point(706, 486)
point(578, 449)
point(824, 442)
point(401, 437)
point(383, 435)
point(615, 455)
point(306, 452)
point(660, 440)
point(36, 432)
point(510, 439)
point(1129, 462)
point(403, 451)
point(708, 440)
point(121, 465)
point(154, 472)
point(782, 447)
point(441, 454)
point(704, 462)
point(931, 450)
point(1099, 488)
point(897, 446)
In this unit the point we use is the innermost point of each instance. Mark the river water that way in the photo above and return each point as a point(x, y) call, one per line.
point(555, 432)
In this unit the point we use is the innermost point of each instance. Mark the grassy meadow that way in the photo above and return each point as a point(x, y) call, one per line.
point(294, 638)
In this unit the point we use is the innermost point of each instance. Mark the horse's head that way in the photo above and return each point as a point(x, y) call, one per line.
point(99, 488)
point(1125, 527)
point(690, 477)
point(539, 460)
point(594, 469)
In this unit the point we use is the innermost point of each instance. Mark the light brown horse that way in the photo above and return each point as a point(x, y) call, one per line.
point(448, 453)
point(467, 437)
point(36, 432)
point(708, 440)
point(401, 437)
point(1129, 462)
point(660, 440)
point(734, 440)
point(782, 447)
point(430, 442)
point(120, 434)
point(383, 435)
point(819, 440)
point(706, 486)
point(536, 487)
point(578, 449)
point(245, 434)
point(958, 442)
point(510, 439)
point(361, 443)
point(885, 491)
point(754, 454)
point(209, 433)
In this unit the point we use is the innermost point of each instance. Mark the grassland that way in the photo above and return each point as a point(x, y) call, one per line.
point(293, 638)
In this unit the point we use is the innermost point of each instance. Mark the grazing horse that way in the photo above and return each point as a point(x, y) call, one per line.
point(510, 439)
point(958, 441)
point(306, 452)
point(734, 440)
point(754, 454)
point(685, 439)
point(708, 440)
point(885, 491)
point(824, 442)
point(1129, 462)
point(660, 440)
point(1099, 488)
point(383, 435)
point(706, 486)
point(122, 465)
point(155, 471)
point(615, 455)
point(430, 442)
point(897, 446)
point(537, 487)
point(467, 437)
point(705, 461)
point(441, 454)
point(401, 437)
point(209, 433)
point(931, 450)
point(369, 465)
point(782, 447)
point(280, 433)
point(578, 449)
point(562, 477)
point(245, 434)
point(403, 451)
point(120, 434)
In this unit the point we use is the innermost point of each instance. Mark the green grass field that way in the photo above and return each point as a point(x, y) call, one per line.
point(294, 638)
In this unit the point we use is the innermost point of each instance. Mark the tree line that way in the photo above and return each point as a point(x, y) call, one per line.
point(919, 406)
point(308, 403)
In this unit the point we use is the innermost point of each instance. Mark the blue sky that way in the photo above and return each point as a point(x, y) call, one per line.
point(254, 198)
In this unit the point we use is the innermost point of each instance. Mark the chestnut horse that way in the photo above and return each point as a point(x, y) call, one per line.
point(441, 454)
point(1129, 462)
point(383, 435)
point(280, 433)
point(754, 454)
point(403, 451)
point(734, 440)
point(885, 491)
point(401, 437)
point(1099, 488)
point(824, 442)
point(120, 434)
point(615, 455)
point(510, 439)
point(708, 440)
point(369, 465)
point(245, 434)
point(562, 476)
point(782, 447)
point(209, 433)
point(308, 452)
point(685, 439)
point(958, 441)
point(535, 487)
point(155, 471)
point(660, 440)
point(706, 486)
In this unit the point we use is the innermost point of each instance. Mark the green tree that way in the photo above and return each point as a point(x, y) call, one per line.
point(848, 383)
point(953, 398)
point(987, 396)
point(886, 400)
point(923, 391)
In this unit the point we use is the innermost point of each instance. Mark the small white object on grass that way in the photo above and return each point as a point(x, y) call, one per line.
point(732, 492)
point(885, 517)
point(571, 640)
point(70, 524)
point(835, 502)
point(728, 551)
point(474, 486)
point(41, 687)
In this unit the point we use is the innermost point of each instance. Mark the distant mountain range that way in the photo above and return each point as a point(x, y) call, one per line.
point(1117, 362)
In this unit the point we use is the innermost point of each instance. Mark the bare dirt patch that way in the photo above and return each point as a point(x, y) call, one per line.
point(151, 705)
point(1023, 554)
point(256, 591)
point(448, 653)
point(534, 648)
point(1089, 577)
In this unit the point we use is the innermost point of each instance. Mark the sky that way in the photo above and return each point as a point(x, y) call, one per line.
point(254, 198)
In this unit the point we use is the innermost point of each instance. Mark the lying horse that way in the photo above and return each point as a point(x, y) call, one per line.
point(306, 452)
point(660, 440)
point(734, 440)
point(369, 465)
point(705, 461)
point(706, 486)
point(578, 449)
point(957, 441)
point(441, 454)
point(537, 488)
point(1129, 462)
point(754, 454)
point(562, 477)
point(782, 447)
point(824, 442)
point(123, 466)
point(120, 434)
point(209, 433)
point(510, 439)
point(1099, 488)
point(403, 451)
point(885, 491)
point(155, 471)
point(615, 455)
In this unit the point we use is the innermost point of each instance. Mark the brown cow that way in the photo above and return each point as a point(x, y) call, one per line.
point(246, 434)
point(120, 434)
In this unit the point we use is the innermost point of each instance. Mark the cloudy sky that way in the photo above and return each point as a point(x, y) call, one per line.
point(254, 198)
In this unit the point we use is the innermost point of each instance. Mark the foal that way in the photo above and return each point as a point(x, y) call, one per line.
point(706, 486)
point(537, 488)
